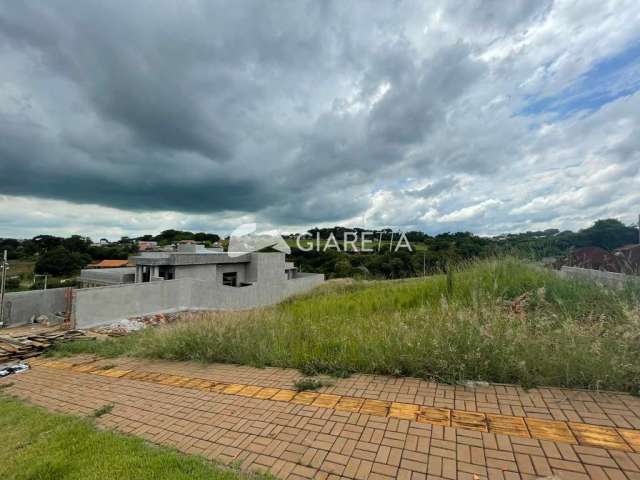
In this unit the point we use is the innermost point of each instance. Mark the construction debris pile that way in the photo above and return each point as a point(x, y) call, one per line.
point(124, 327)
point(30, 345)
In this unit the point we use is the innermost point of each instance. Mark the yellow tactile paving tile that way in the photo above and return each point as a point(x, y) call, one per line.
point(326, 400)
point(550, 430)
point(379, 408)
point(557, 431)
point(632, 437)
point(507, 425)
point(596, 436)
point(85, 368)
point(434, 416)
point(249, 391)
point(135, 375)
point(171, 380)
point(284, 395)
point(218, 387)
point(112, 372)
point(469, 420)
point(304, 398)
point(407, 411)
point(266, 393)
point(349, 404)
point(233, 388)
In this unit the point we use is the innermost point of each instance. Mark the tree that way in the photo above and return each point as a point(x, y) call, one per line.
point(60, 262)
point(609, 234)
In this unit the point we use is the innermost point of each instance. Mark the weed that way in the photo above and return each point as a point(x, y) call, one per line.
point(308, 384)
point(103, 410)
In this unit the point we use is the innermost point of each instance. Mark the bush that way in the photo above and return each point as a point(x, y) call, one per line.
point(60, 262)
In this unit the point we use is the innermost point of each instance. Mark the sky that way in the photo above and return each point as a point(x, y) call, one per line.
point(127, 118)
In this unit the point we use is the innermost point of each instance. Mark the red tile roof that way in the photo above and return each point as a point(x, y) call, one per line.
point(110, 264)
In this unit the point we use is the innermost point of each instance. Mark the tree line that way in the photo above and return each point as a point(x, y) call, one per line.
point(65, 256)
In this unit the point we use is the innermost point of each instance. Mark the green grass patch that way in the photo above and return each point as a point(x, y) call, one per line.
point(499, 320)
point(40, 445)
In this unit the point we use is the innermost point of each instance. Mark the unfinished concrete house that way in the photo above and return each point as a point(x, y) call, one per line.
point(191, 278)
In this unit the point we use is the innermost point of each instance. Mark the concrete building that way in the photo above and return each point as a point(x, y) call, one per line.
point(190, 278)
point(210, 265)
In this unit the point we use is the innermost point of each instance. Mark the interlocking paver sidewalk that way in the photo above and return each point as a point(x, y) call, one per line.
point(295, 440)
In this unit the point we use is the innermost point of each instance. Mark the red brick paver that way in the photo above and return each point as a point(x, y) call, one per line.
point(298, 440)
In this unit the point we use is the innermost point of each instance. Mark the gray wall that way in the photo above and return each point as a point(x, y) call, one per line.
point(239, 268)
point(206, 273)
point(20, 307)
point(607, 279)
point(98, 306)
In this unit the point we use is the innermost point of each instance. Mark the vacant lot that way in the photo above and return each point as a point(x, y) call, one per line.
point(500, 320)
point(41, 445)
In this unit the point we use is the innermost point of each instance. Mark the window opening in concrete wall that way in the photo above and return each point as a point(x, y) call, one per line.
point(230, 279)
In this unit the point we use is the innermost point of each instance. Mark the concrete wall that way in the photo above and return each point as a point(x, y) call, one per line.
point(239, 268)
point(607, 279)
point(20, 307)
point(99, 306)
point(107, 276)
point(205, 273)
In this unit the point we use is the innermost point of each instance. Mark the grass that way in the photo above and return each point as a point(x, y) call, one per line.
point(41, 445)
point(498, 320)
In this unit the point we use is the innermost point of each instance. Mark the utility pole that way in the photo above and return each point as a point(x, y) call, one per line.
point(4, 266)
point(424, 263)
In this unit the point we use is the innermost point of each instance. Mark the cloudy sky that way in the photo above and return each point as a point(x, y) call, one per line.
point(124, 118)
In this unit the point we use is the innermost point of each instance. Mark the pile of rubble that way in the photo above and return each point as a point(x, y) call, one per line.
point(29, 345)
point(124, 327)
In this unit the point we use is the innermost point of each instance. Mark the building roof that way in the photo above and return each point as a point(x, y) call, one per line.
point(188, 258)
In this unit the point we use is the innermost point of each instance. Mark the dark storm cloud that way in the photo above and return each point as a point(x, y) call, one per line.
point(297, 112)
point(190, 98)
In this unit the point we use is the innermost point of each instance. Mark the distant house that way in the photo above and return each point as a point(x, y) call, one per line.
point(144, 245)
point(110, 264)
point(622, 260)
point(629, 257)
